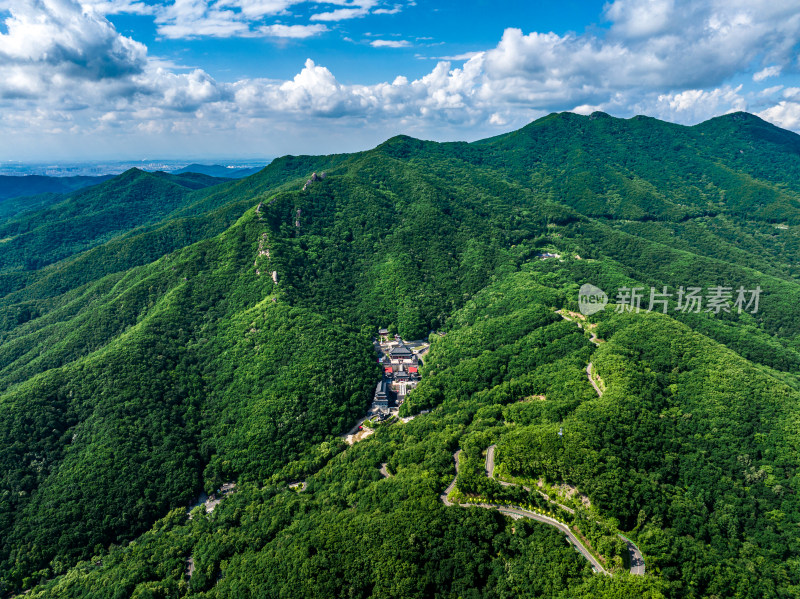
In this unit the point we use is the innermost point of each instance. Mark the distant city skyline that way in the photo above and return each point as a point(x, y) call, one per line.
point(190, 79)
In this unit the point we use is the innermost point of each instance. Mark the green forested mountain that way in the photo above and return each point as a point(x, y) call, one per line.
point(163, 335)
point(92, 216)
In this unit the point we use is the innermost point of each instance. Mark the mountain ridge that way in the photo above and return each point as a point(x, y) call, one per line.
point(164, 365)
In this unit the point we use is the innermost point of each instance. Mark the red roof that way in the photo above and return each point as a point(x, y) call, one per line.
point(412, 369)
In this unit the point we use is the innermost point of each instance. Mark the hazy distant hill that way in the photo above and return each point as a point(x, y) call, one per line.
point(161, 335)
point(216, 170)
point(28, 185)
point(78, 221)
point(29, 192)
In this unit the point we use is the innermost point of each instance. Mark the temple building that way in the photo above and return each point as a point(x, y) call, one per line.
point(382, 392)
point(402, 355)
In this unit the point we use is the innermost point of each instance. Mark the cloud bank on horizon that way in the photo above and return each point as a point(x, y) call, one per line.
point(73, 85)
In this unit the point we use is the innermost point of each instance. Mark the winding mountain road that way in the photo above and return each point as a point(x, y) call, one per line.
point(594, 339)
point(516, 512)
point(636, 558)
point(591, 380)
point(520, 513)
point(490, 474)
point(452, 485)
point(490, 469)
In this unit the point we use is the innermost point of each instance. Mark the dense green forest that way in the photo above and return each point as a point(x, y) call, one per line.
point(162, 335)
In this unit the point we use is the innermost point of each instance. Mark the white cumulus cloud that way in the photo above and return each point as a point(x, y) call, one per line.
point(695, 105)
point(784, 114)
point(390, 43)
point(766, 73)
point(292, 31)
point(64, 68)
point(61, 35)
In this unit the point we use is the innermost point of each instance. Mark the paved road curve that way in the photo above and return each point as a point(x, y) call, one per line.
point(452, 485)
point(515, 512)
point(637, 561)
point(490, 474)
point(490, 462)
point(520, 513)
point(490, 469)
point(591, 380)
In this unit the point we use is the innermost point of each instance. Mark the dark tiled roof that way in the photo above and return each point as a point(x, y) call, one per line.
point(382, 389)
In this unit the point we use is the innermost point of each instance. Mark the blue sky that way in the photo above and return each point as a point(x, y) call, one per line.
point(431, 29)
point(124, 79)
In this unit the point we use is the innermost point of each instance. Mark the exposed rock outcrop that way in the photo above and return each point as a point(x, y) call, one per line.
point(314, 177)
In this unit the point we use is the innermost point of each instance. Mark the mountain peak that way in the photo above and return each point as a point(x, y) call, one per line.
point(132, 174)
point(740, 116)
point(401, 146)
